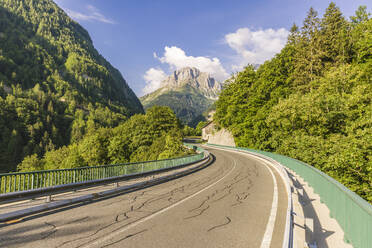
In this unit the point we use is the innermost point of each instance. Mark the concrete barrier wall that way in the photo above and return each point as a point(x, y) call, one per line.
point(219, 137)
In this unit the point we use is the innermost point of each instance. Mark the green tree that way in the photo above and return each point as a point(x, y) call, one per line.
point(312, 101)
point(31, 163)
point(333, 38)
point(308, 62)
point(361, 15)
point(55, 86)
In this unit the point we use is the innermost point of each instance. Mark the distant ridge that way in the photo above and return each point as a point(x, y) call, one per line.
point(188, 91)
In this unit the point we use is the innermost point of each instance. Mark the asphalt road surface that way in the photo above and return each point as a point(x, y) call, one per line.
point(235, 202)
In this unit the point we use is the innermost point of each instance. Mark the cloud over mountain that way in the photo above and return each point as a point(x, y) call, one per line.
point(153, 78)
point(250, 47)
point(176, 58)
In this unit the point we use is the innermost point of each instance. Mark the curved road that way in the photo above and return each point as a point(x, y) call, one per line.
point(228, 204)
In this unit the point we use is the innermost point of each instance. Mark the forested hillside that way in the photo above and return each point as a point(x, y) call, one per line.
point(187, 103)
point(54, 85)
point(155, 135)
point(188, 92)
point(313, 100)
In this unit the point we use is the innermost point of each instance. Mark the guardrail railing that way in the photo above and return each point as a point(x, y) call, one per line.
point(353, 213)
point(21, 181)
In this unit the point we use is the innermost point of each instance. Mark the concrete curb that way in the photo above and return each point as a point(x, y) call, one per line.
point(314, 217)
point(299, 229)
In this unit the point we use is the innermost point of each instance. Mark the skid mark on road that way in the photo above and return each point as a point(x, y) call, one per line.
point(135, 223)
point(224, 224)
point(266, 241)
point(136, 208)
point(52, 231)
point(126, 237)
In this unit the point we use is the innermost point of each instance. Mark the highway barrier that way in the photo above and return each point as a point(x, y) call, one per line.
point(353, 213)
point(39, 209)
point(24, 181)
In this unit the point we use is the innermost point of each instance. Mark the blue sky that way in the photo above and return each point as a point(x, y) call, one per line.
point(148, 39)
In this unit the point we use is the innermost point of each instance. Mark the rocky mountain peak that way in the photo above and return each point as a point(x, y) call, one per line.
point(193, 77)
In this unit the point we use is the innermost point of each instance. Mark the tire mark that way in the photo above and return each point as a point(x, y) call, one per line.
point(200, 213)
point(203, 202)
point(132, 209)
point(126, 237)
point(52, 231)
point(125, 215)
point(181, 189)
point(223, 196)
point(240, 198)
point(218, 226)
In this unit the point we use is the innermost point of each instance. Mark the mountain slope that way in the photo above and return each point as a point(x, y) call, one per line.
point(312, 101)
point(39, 42)
point(54, 85)
point(188, 92)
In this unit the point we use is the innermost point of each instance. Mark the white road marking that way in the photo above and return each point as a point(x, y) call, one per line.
point(133, 224)
point(266, 240)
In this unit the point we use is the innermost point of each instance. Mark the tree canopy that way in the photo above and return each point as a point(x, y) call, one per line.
point(54, 85)
point(151, 136)
point(313, 100)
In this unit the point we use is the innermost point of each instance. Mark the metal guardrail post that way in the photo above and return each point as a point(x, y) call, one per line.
point(4, 184)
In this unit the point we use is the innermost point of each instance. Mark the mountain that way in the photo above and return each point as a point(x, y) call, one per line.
point(54, 85)
point(188, 92)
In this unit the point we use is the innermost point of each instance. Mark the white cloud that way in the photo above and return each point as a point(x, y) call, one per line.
point(176, 58)
point(93, 14)
point(255, 47)
point(251, 47)
point(153, 78)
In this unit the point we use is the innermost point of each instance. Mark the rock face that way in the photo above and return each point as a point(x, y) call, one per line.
point(191, 76)
point(188, 92)
point(218, 137)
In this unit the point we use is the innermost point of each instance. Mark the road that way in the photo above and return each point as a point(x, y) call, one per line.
point(231, 203)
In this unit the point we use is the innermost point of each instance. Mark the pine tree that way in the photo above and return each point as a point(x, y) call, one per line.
point(308, 63)
point(361, 15)
point(294, 34)
point(334, 38)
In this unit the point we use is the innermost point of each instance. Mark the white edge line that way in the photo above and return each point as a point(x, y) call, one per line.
point(133, 224)
point(284, 175)
point(266, 240)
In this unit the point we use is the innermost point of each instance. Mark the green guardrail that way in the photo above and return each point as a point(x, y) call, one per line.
point(197, 149)
point(20, 181)
point(353, 213)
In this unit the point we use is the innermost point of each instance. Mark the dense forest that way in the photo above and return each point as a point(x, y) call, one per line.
point(313, 100)
point(54, 86)
point(151, 136)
